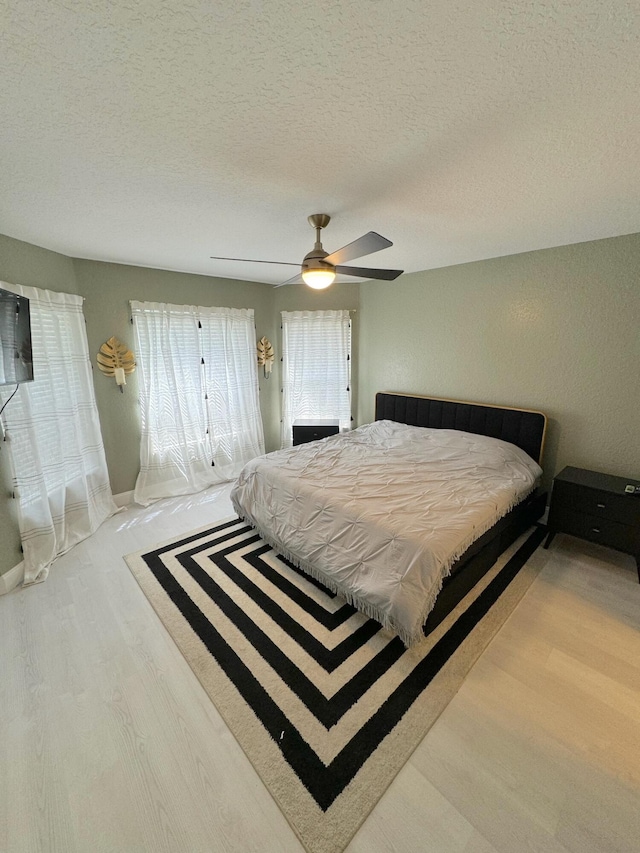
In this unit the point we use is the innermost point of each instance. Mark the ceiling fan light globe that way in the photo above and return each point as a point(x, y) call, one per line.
point(318, 279)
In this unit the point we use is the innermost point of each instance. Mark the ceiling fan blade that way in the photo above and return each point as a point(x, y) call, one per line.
point(296, 279)
point(365, 245)
point(364, 272)
point(253, 261)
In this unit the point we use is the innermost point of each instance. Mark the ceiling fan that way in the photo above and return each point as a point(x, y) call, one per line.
point(319, 268)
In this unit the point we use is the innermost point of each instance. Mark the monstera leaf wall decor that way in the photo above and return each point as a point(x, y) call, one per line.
point(266, 356)
point(114, 359)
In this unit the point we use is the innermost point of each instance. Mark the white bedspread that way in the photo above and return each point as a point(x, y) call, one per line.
point(380, 514)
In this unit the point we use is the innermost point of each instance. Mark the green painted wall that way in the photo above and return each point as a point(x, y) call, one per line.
point(22, 263)
point(556, 330)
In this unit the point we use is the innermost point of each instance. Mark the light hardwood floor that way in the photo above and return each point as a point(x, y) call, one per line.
point(108, 742)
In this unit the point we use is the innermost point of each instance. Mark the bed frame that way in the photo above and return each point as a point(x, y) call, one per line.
point(524, 428)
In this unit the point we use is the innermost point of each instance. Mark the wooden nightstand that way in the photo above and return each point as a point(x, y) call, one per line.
point(312, 430)
point(594, 506)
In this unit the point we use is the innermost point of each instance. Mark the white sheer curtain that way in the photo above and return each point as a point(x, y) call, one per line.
point(60, 474)
point(316, 368)
point(198, 394)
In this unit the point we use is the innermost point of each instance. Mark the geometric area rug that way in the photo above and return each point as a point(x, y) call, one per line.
point(326, 705)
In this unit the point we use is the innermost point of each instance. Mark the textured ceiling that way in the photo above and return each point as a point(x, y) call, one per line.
point(160, 133)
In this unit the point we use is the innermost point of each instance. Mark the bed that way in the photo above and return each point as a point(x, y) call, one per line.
point(404, 515)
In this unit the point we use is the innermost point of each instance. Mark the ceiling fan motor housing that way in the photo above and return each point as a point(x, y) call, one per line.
point(315, 260)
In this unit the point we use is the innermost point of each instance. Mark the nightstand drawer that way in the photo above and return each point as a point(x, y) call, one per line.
point(621, 508)
point(595, 528)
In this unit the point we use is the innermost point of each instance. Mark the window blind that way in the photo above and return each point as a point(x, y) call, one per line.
point(316, 360)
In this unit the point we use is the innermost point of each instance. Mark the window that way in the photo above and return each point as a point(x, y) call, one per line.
point(60, 474)
point(316, 361)
point(199, 397)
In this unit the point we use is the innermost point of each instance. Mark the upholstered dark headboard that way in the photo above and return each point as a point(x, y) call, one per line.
point(523, 428)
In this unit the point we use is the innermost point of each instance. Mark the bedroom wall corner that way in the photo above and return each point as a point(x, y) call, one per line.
point(24, 263)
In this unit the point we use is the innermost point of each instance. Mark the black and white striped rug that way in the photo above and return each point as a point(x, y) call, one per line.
point(326, 705)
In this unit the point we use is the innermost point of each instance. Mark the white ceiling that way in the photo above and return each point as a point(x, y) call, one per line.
point(160, 132)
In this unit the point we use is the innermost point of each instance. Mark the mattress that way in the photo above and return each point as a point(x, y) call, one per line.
point(381, 514)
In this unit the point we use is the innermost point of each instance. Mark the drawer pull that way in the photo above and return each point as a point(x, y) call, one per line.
point(595, 529)
point(601, 506)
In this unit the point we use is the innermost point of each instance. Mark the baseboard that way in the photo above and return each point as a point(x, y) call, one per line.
point(11, 579)
point(123, 499)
